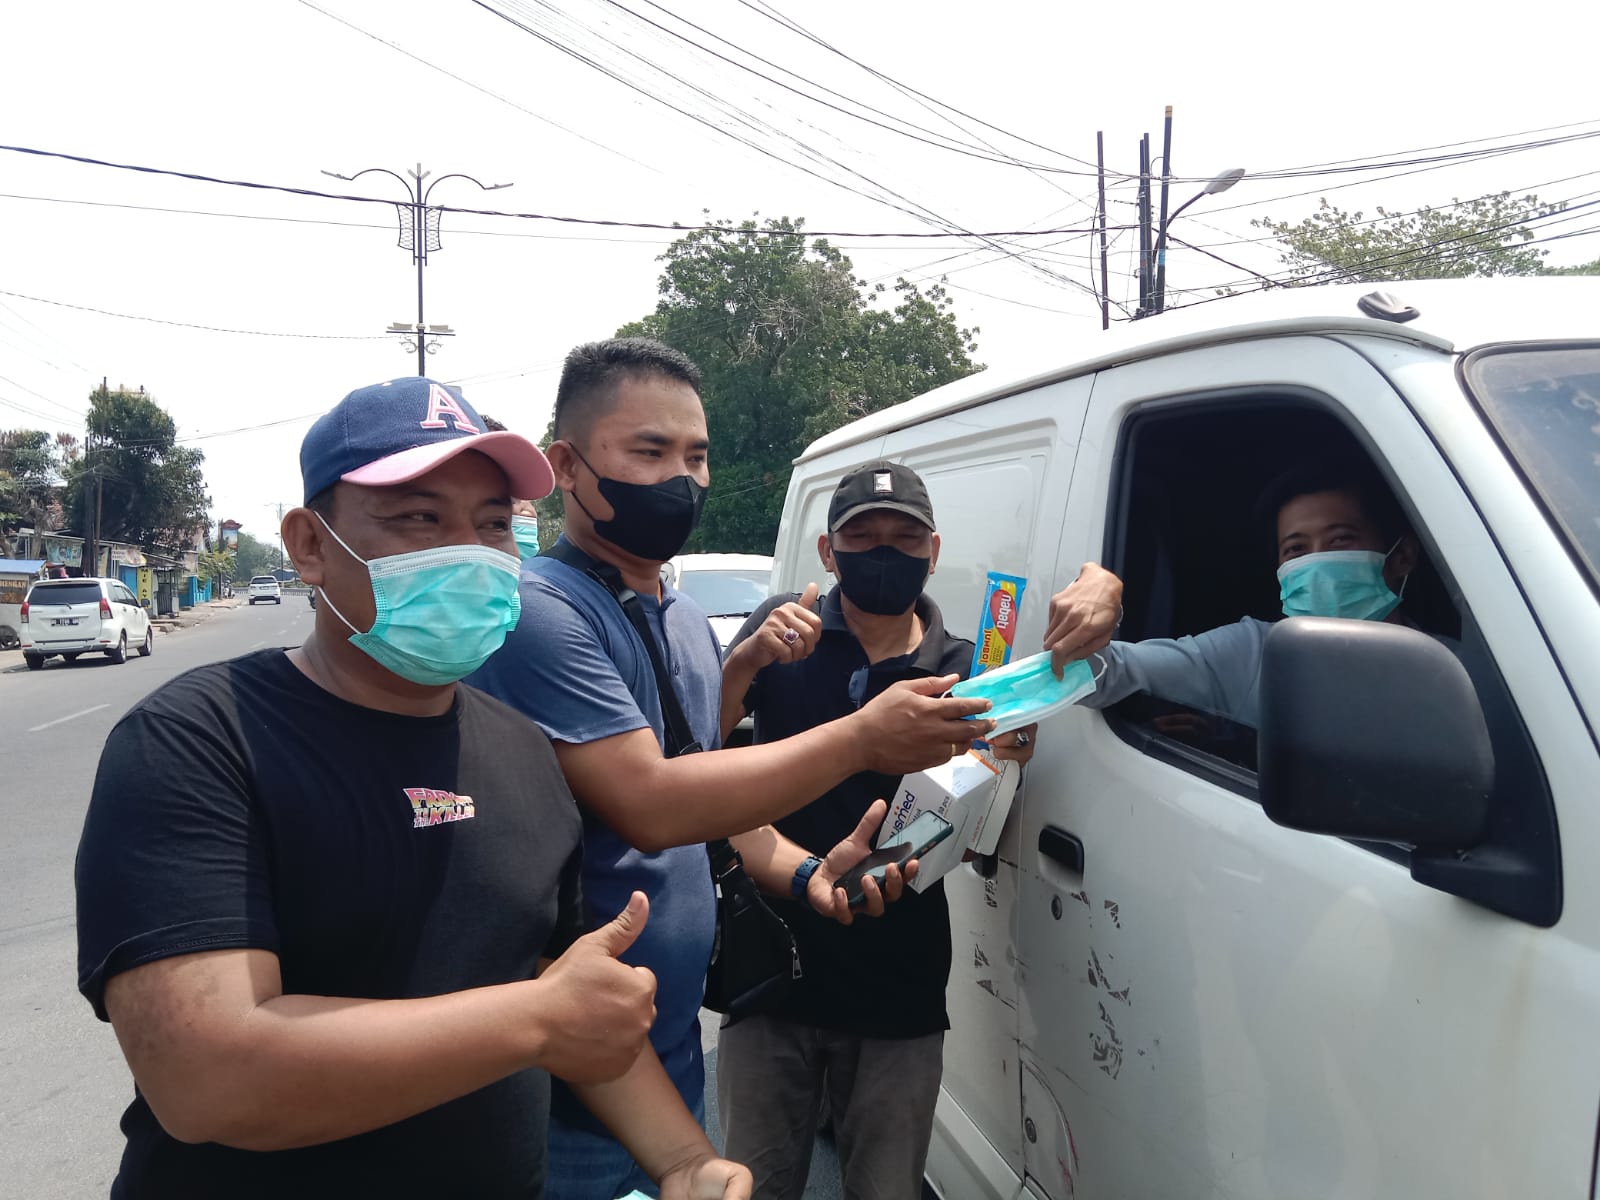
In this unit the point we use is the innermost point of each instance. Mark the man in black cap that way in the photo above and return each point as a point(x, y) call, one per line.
point(329, 900)
point(866, 1022)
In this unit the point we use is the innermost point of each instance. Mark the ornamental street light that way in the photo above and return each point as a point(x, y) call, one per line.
point(1219, 184)
point(419, 233)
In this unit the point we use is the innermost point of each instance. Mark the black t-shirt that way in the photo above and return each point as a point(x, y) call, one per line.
point(878, 977)
point(377, 855)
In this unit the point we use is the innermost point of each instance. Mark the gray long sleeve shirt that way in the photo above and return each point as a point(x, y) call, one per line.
point(1218, 671)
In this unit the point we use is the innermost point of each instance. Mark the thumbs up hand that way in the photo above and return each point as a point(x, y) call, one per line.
point(598, 1010)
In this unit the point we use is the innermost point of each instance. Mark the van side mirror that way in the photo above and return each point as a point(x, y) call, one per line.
point(1372, 731)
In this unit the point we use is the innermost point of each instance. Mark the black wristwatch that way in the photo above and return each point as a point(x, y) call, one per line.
point(802, 876)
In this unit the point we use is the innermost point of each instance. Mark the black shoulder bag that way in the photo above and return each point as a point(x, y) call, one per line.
point(754, 960)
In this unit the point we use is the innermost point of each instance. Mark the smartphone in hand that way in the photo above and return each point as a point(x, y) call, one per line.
point(915, 840)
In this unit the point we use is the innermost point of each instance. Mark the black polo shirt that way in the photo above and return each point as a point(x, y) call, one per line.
point(883, 977)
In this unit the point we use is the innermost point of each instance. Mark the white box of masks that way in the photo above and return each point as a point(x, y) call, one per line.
point(972, 792)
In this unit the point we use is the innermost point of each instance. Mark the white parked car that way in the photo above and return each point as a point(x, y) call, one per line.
point(728, 586)
point(70, 617)
point(1356, 950)
point(264, 588)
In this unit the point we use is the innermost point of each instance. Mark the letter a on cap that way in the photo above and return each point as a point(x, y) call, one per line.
point(441, 402)
point(883, 484)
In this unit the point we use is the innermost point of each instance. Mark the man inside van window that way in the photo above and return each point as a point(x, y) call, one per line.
point(1342, 549)
point(632, 459)
point(866, 1022)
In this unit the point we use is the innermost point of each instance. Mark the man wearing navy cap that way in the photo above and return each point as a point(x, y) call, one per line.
point(329, 900)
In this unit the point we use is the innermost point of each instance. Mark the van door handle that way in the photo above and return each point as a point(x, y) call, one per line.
point(1062, 847)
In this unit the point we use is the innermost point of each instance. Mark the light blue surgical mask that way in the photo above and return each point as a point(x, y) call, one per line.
point(441, 612)
point(1337, 583)
point(1026, 691)
point(526, 531)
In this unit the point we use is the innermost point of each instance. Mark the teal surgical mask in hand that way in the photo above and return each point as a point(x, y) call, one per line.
point(526, 531)
point(1026, 691)
point(440, 612)
point(1337, 583)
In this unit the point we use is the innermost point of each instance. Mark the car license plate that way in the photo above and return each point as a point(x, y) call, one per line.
point(64, 621)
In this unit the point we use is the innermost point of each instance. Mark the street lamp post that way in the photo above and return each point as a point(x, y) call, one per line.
point(1220, 183)
point(419, 233)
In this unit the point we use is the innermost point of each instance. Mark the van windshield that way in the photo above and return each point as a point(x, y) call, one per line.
point(1544, 402)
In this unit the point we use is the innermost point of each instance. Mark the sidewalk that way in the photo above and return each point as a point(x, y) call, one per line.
point(197, 615)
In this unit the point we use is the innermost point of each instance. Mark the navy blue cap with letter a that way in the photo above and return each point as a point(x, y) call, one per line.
point(393, 432)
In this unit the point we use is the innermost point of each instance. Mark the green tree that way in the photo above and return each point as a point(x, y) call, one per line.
point(217, 564)
point(31, 466)
point(253, 557)
point(1479, 237)
point(791, 345)
point(148, 490)
point(1591, 268)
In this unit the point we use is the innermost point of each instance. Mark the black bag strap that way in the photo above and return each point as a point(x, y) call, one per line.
point(680, 740)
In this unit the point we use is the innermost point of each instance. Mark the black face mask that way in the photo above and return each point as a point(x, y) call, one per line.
point(883, 580)
point(651, 521)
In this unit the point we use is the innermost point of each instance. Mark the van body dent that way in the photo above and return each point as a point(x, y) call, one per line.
point(1354, 952)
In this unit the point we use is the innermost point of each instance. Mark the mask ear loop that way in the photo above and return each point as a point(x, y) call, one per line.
point(1104, 665)
point(323, 592)
point(1404, 579)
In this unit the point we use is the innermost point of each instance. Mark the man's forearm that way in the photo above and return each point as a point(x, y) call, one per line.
point(770, 859)
point(698, 797)
point(737, 676)
point(302, 1070)
point(646, 1114)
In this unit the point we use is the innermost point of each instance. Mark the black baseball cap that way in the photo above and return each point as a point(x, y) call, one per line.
point(878, 485)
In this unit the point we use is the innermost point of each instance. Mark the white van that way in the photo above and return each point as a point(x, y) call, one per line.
point(1160, 988)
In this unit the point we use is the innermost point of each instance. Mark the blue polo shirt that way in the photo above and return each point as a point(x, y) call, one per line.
point(576, 666)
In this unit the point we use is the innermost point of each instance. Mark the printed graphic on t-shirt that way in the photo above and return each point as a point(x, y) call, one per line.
point(430, 806)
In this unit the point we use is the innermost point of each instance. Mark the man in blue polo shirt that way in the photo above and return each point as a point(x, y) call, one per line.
point(631, 459)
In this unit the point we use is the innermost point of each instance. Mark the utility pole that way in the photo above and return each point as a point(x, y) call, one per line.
point(281, 508)
point(1145, 288)
point(419, 233)
point(91, 565)
point(1160, 297)
point(1105, 284)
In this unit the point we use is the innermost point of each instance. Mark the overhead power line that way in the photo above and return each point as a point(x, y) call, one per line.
point(478, 87)
point(325, 337)
point(913, 131)
point(772, 14)
point(673, 227)
point(876, 247)
point(888, 196)
point(1478, 141)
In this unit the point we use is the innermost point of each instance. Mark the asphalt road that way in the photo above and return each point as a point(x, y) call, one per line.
point(65, 1084)
point(64, 1081)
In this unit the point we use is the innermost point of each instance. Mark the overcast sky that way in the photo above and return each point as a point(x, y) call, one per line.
point(276, 91)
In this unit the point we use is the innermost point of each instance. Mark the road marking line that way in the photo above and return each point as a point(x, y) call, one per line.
point(72, 717)
point(258, 645)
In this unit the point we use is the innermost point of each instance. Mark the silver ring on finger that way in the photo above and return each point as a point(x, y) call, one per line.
point(790, 637)
point(1022, 738)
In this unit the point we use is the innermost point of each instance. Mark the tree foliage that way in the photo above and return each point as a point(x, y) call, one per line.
point(1479, 237)
point(254, 557)
point(791, 345)
point(33, 465)
point(152, 490)
point(1589, 268)
point(216, 564)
